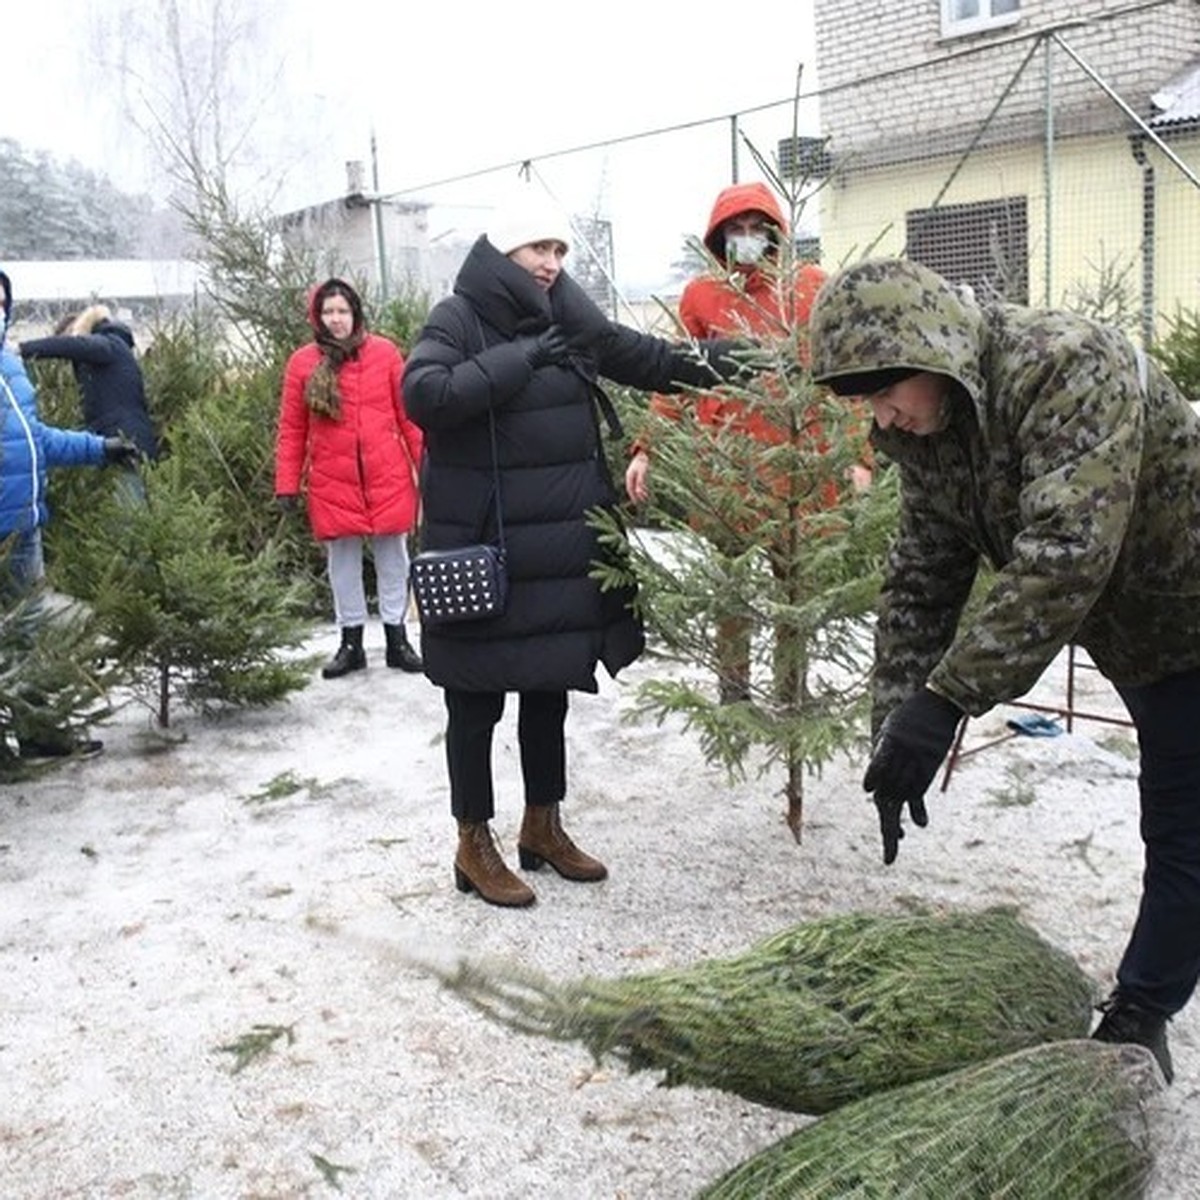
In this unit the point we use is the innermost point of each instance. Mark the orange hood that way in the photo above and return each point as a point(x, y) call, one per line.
point(734, 200)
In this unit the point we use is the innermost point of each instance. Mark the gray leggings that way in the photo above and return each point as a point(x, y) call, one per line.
point(344, 557)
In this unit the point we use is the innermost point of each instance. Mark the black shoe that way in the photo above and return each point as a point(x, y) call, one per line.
point(347, 659)
point(34, 751)
point(350, 655)
point(1124, 1021)
point(400, 653)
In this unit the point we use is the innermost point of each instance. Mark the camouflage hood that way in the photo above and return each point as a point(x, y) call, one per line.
point(886, 314)
point(1074, 474)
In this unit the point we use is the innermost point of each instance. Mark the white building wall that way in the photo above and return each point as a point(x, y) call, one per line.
point(893, 87)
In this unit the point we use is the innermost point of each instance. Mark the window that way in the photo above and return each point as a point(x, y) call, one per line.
point(984, 244)
point(972, 16)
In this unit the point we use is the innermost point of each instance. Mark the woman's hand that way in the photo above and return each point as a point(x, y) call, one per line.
point(546, 349)
point(859, 477)
point(637, 487)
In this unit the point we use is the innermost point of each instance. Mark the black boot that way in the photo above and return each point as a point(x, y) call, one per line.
point(399, 650)
point(349, 656)
point(1125, 1021)
point(33, 750)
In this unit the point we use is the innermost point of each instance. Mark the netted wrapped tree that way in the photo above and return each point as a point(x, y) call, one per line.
point(1066, 1120)
point(816, 1016)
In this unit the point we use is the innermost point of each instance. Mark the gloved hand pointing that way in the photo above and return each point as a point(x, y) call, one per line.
point(547, 348)
point(732, 358)
point(120, 451)
point(912, 742)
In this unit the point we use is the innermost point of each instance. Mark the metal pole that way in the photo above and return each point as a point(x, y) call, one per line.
point(1138, 149)
point(1129, 112)
point(1048, 170)
point(733, 149)
point(377, 214)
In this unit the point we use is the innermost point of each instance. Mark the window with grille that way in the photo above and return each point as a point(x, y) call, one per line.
point(971, 16)
point(985, 244)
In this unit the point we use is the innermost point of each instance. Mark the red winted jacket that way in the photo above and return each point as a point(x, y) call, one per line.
point(710, 307)
point(359, 469)
point(758, 307)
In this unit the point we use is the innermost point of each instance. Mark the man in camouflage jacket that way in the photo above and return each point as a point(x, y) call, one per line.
point(1047, 444)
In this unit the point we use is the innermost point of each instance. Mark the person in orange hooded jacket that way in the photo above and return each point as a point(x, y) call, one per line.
point(345, 436)
point(744, 297)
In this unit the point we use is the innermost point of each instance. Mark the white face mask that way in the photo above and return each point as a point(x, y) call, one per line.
point(746, 248)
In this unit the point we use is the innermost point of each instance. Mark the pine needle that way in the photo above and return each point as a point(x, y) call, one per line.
point(1055, 1122)
point(256, 1043)
point(818, 1015)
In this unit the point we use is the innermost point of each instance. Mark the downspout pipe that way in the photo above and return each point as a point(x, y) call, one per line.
point(1137, 147)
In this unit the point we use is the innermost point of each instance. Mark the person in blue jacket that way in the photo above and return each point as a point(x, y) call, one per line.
point(28, 448)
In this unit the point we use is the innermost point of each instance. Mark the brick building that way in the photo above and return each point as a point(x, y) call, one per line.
point(1037, 149)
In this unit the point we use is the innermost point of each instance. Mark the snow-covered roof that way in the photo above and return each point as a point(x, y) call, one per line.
point(105, 279)
point(1178, 101)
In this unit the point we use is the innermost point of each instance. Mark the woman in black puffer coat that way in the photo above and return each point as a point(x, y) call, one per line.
point(521, 341)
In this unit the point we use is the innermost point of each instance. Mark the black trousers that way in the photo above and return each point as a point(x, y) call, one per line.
point(471, 721)
point(1161, 964)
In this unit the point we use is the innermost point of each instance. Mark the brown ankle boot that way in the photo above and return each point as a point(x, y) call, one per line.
point(543, 839)
point(478, 867)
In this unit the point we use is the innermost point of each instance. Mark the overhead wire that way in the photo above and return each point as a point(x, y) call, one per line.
point(526, 167)
point(587, 146)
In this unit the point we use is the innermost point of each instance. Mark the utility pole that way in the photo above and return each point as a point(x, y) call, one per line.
point(377, 212)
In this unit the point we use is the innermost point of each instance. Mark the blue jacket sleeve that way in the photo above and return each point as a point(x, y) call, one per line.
point(70, 447)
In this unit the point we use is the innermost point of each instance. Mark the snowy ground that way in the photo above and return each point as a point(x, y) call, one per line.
point(274, 870)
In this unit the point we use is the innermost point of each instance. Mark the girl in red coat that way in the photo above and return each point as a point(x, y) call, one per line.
point(344, 435)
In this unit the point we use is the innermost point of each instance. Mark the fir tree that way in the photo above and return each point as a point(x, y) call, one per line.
point(188, 616)
point(55, 674)
point(774, 534)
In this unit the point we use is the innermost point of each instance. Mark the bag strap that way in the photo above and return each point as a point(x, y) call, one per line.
point(463, 303)
point(616, 430)
point(496, 474)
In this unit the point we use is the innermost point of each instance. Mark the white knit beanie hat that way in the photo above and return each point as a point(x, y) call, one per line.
point(527, 216)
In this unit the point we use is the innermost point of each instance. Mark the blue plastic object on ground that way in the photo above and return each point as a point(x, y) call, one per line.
point(1035, 725)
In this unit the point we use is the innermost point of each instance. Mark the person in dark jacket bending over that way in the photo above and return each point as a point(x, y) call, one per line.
point(1047, 444)
point(100, 351)
point(521, 341)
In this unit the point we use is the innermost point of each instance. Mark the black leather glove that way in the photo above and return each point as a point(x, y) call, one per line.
point(912, 742)
point(289, 504)
point(719, 353)
point(120, 451)
point(546, 349)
